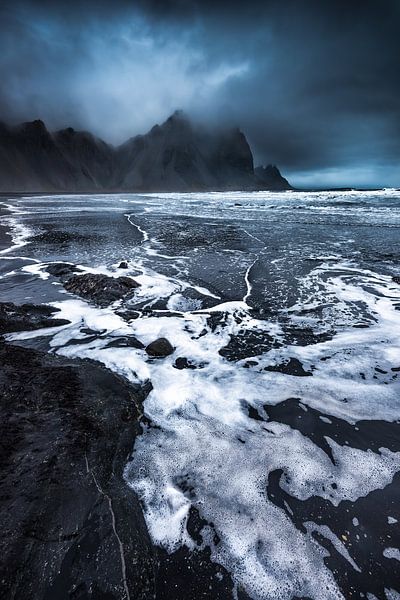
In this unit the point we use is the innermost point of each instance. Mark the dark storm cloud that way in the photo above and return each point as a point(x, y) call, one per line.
point(314, 84)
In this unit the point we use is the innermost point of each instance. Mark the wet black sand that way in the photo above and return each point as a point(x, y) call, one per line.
point(73, 529)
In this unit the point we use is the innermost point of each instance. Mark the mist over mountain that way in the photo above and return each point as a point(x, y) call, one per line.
point(177, 155)
point(313, 84)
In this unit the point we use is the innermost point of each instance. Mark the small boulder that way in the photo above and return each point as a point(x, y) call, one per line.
point(160, 348)
point(183, 363)
point(123, 264)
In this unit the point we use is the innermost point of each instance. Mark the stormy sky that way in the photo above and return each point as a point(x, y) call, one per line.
point(314, 84)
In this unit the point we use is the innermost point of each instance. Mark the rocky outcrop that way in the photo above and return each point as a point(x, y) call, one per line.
point(71, 526)
point(62, 269)
point(174, 156)
point(271, 178)
point(27, 317)
point(101, 289)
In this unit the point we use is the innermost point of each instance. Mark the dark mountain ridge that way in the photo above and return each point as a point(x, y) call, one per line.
point(174, 156)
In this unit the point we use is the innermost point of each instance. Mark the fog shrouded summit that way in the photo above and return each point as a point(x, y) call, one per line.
point(313, 85)
point(177, 155)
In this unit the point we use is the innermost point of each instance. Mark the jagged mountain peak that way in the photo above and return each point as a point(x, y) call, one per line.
point(68, 131)
point(178, 116)
point(272, 169)
point(272, 178)
point(178, 155)
point(33, 128)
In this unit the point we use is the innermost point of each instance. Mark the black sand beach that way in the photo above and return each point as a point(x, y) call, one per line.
point(105, 448)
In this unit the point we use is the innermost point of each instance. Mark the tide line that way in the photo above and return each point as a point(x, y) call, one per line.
point(142, 231)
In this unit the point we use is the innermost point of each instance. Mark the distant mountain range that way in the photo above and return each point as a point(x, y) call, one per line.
point(174, 156)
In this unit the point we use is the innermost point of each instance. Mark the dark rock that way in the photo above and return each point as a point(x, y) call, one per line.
point(271, 178)
point(396, 279)
point(125, 342)
point(62, 269)
point(128, 314)
point(101, 289)
point(27, 317)
point(183, 363)
point(69, 521)
point(71, 527)
point(160, 348)
point(123, 265)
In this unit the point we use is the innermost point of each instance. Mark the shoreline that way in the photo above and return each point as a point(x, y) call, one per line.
point(101, 192)
point(187, 574)
point(67, 430)
point(68, 427)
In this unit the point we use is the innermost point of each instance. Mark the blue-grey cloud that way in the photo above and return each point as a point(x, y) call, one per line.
point(314, 85)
